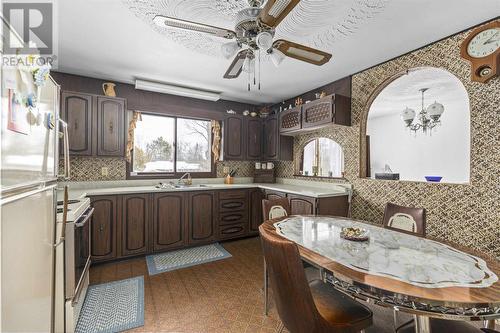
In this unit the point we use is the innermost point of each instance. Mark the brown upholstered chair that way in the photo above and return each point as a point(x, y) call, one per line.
point(272, 209)
point(405, 219)
point(304, 307)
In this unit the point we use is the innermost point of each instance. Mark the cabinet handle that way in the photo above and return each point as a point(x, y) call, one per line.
point(76, 125)
point(101, 228)
point(111, 127)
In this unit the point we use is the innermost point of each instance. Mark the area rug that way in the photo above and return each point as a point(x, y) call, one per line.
point(113, 307)
point(169, 261)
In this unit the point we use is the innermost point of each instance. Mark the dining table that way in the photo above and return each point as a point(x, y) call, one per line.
point(422, 276)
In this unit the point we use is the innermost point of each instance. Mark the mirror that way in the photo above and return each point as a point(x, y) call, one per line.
point(322, 157)
point(418, 129)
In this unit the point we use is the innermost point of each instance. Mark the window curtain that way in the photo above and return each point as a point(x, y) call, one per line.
point(216, 134)
point(136, 116)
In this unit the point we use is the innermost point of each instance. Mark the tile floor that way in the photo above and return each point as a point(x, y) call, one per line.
point(220, 296)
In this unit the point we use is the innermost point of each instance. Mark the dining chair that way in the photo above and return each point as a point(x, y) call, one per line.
point(405, 219)
point(303, 307)
point(272, 209)
point(408, 220)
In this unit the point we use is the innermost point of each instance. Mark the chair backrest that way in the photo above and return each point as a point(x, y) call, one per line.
point(405, 219)
point(291, 290)
point(272, 209)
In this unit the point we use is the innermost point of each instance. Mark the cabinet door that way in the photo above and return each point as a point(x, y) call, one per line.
point(272, 195)
point(290, 120)
point(76, 110)
point(134, 224)
point(271, 138)
point(256, 196)
point(234, 142)
point(201, 217)
point(169, 220)
point(302, 205)
point(254, 139)
point(103, 229)
point(110, 126)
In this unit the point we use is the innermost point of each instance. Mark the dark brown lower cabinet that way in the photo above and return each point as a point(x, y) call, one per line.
point(300, 205)
point(135, 224)
point(138, 224)
point(273, 195)
point(169, 220)
point(103, 228)
point(255, 213)
point(202, 214)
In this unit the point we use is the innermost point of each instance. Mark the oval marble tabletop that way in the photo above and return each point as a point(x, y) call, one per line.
point(404, 264)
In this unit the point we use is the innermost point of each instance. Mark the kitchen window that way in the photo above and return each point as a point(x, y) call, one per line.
point(166, 146)
point(322, 157)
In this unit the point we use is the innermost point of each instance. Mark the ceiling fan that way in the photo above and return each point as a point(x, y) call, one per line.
point(254, 30)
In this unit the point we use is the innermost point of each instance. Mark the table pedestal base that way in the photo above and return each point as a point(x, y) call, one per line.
point(422, 324)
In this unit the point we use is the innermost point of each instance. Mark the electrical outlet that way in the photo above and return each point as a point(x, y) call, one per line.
point(104, 171)
point(225, 170)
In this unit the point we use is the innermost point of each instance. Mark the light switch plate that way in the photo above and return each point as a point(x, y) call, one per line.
point(104, 171)
point(225, 170)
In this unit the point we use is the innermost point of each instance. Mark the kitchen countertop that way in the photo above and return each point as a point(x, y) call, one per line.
point(329, 190)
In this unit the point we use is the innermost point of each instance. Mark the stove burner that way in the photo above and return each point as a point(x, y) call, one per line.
point(60, 202)
point(60, 210)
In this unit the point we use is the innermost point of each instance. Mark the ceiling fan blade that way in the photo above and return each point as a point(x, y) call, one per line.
point(302, 52)
point(275, 11)
point(236, 66)
point(171, 22)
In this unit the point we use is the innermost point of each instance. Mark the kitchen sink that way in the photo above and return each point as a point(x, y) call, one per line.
point(174, 186)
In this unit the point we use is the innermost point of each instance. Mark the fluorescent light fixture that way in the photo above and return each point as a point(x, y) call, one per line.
point(176, 90)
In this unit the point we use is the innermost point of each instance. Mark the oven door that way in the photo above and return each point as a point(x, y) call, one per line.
point(77, 253)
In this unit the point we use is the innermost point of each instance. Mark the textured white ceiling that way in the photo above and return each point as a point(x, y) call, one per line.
point(114, 39)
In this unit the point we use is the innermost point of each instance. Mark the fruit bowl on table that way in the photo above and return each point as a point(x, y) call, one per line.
point(356, 234)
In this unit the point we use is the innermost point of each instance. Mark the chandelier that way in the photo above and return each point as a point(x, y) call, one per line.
point(427, 118)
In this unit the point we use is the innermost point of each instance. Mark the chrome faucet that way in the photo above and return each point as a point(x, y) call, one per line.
point(187, 181)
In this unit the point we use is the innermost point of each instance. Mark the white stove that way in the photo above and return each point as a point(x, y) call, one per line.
point(76, 208)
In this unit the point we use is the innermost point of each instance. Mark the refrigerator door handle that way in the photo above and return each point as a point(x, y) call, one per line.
point(67, 166)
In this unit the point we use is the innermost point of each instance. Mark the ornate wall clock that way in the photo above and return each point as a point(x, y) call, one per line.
point(482, 49)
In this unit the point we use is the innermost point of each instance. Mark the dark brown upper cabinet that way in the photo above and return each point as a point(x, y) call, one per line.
point(103, 228)
point(135, 224)
point(234, 138)
point(291, 120)
point(276, 147)
point(96, 124)
point(169, 220)
point(110, 126)
point(332, 109)
point(202, 215)
point(76, 110)
point(254, 139)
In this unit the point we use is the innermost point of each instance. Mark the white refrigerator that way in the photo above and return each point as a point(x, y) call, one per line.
point(29, 159)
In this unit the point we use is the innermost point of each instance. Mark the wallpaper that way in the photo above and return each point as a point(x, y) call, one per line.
point(89, 168)
point(465, 214)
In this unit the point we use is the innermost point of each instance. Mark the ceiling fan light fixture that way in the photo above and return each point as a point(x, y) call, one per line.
point(277, 57)
point(264, 40)
point(229, 49)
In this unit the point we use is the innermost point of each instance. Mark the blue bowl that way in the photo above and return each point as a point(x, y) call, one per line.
point(434, 179)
